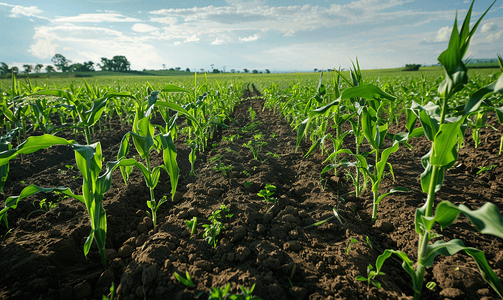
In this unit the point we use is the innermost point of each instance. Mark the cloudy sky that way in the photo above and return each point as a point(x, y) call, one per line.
point(237, 34)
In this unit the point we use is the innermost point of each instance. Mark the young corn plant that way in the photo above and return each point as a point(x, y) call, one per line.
point(145, 141)
point(90, 162)
point(89, 112)
point(213, 230)
point(267, 193)
point(445, 133)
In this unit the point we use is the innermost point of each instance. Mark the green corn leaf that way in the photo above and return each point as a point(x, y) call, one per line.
point(487, 219)
point(392, 191)
point(12, 201)
point(33, 144)
point(154, 176)
point(187, 282)
point(454, 246)
point(169, 155)
point(476, 98)
point(301, 131)
point(146, 174)
point(94, 114)
point(426, 175)
point(444, 152)
point(181, 110)
point(104, 181)
point(485, 269)
point(170, 88)
point(407, 264)
point(384, 158)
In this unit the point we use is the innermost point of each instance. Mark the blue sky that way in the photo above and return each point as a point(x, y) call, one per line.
point(236, 34)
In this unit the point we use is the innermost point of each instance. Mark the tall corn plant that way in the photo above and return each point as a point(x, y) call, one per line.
point(445, 133)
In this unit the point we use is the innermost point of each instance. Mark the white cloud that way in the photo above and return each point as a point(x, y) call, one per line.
point(444, 34)
point(193, 38)
point(28, 11)
point(487, 27)
point(93, 43)
point(250, 38)
point(494, 36)
point(218, 41)
point(177, 43)
point(165, 20)
point(43, 48)
point(140, 27)
point(96, 18)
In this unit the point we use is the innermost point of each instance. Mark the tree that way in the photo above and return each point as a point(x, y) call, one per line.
point(202, 70)
point(255, 72)
point(216, 71)
point(15, 70)
point(246, 70)
point(61, 62)
point(104, 64)
point(89, 66)
point(412, 67)
point(267, 71)
point(118, 63)
point(187, 70)
point(4, 68)
point(27, 68)
point(233, 70)
point(49, 69)
point(178, 68)
point(164, 66)
point(38, 67)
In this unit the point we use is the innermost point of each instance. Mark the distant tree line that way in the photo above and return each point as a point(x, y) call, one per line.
point(118, 63)
point(412, 67)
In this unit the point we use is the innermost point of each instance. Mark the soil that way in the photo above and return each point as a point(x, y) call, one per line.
point(271, 246)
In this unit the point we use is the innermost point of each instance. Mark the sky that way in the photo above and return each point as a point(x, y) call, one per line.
point(235, 34)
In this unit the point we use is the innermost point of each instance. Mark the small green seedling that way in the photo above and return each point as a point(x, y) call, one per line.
point(486, 169)
point(291, 275)
point(213, 230)
point(267, 193)
point(192, 226)
point(187, 282)
point(351, 242)
point(247, 183)
point(371, 275)
point(224, 169)
point(253, 114)
point(112, 293)
point(369, 243)
point(44, 206)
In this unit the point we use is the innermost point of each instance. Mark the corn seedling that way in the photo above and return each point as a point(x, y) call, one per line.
point(267, 193)
point(192, 224)
point(336, 215)
point(213, 230)
point(485, 169)
point(145, 141)
point(185, 281)
point(43, 206)
point(371, 275)
point(112, 293)
point(253, 114)
point(352, 241)
point(445, 133)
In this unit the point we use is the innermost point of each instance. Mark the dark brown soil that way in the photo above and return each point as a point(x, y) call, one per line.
point(42, 257)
